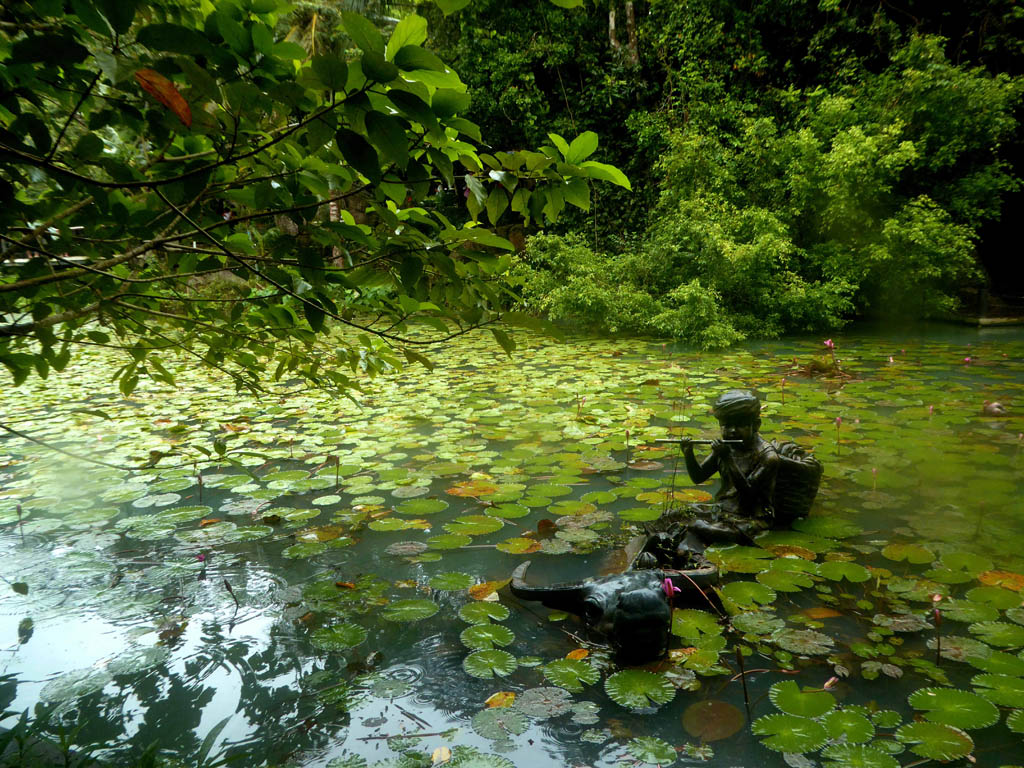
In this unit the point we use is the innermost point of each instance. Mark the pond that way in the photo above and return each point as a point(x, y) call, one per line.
point(328, 588)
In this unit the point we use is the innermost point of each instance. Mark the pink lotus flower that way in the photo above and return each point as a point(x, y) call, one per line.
point(829, 343)
point(839, 420)
point(669, 588)
point(967, 361)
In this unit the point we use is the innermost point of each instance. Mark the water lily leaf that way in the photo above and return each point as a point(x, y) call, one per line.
point(571, 674)
point(713, 720)
point(968, 611)
point(519, 545)
point(388, 524)
point(499, 723)
point(489, 663)
point(994, 596)
point(935, 741)
point(417, 507)
point(959, 648)
point(999, 633)
point(544, 702)
point(405, 548)
point(802, 641)
point(638, 688)
point(948, 576)
point(339, 638)
point(408, 610)
point(954, 707)
point(549, 490)
point(472, 489)
point(474, 525)
point(886, 718)
point(639, 514)
point(857, 756)
point(739, 559)
point(508, 511)
point(326, 501)
point(849, 726)
point(911, 553)
point(789, 733)
point(485, 589)
point(836, 571)
point(483, 612)
point(902, 622)
point(451, 581)
point(1015, 721)
point(484, 636)
point(827, 527)
point(74, 684)
point(784, 581)
point(449, 541)
point(965, 561)
point(692, 624)
point(1005, 579)
point(305, 549)
point(1016, 615)
point(650, 750)
point(788, 697)
point(1003, 690)
point(999, 663)
point(757, 622)
point(747, 594)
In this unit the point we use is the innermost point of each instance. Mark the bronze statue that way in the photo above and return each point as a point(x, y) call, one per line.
point(750, 500)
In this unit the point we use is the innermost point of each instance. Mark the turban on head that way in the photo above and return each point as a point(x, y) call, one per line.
point(736, 403)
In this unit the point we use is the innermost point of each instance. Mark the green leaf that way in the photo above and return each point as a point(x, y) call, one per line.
point(858, 756)
point(330, 70)
point(339, 637)
point(638, 688)
point(567, 3)
point(747, 594)
point(363, 32)
point(999, 633)
point(504, 340)
point(483, 612)
point(788, 697)
point(577, 192)
point(411, 30)
point(497, 202)
point(1003, 690)
point(359, 153)
point(649, 749)
point(387, 134)
point(848, 725)
point(560, 143)
point(449, 101)
point(837, 570)
point(912, 553)
point(409, 610)
point(789, 733)
point(571, 674)
point(935, 740)
point(582, 147)
point(954, 707)
point(452, 581)
point(484, 636)
point(376, 67)
point(413, 57)
point(605, 172)
point(119, 13)
point(489, 663)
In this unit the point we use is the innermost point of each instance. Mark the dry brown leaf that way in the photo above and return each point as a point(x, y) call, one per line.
point(579, 653)
point(487, 588)
point(1005, 579)
point(164, 91)
point(208, 521)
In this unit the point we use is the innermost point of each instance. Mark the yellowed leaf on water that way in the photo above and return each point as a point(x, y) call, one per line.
point(441, 755)
point(579, 653)
point(787, 550)
point(406, 584)
point(485, 589)
point(208, 521)
point(820, 612)
point(500, 699)
point(1004, 579)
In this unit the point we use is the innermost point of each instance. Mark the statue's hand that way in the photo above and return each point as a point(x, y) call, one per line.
point(686, 443)
point(720, 450)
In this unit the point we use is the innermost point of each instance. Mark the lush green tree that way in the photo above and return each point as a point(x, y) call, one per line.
point(165, 170)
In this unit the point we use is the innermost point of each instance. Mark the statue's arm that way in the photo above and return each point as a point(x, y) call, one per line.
point(699, 471)
point(757, 488)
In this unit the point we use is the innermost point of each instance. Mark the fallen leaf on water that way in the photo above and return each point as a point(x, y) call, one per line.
point(344, 585)
point(789, 550)
point(820, 612)
point(164, 91)
point(406, 584)
point(546, 528)
point(500, 699)
point(1005, 579)
point(713, 720)
point(441, 755)
point(485, 589)
point(208, 521)
point(579, 653)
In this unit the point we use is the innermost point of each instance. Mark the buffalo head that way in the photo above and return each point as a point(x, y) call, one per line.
point(631, 609)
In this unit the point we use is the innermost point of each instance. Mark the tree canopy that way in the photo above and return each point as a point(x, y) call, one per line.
point(182, 177)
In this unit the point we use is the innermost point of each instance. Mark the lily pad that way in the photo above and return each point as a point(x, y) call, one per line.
point(713, 720)
point(805, 642)
point(827, 527)
point(417, 507)
point(1003, 690)
point(757, 622)
point(650, 750)
point(489, 663)
point(482, 612)
point(789, 733)
point(1015, 721)
point(954, 707)
point(405, 548)
point(911, 553)
point(857, 756)
point(935, 741)
point(452, 581)
point(544, 702)
point(968, 611)
point(837, 571)
point(408, 610)
point(339, 638)
point(484, 636)
point(849, 726)
point(788, 697)
point(499, 723)
point(748, 594)
point(999, 633)
point(474, 525)
point(638, 688)
point(571, 674)
point(994, 596)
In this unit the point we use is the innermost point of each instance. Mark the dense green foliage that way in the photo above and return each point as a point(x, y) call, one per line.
point(186, 176)
point(800, 163)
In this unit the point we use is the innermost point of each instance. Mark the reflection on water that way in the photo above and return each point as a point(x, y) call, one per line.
point(165, 612)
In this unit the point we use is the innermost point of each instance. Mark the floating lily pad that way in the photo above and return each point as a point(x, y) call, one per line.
point(911, 553)
point(474, 525)
point(638, 688)
point(837, 571)
point(788, 697)
point(789, 733)
point(740, 559)
point(544, 702)
point(489, 663)
point(484, 636)
point(999, 663)
point(746, 594)
point(968, 611)
point(405, 548)
point(326, 501)
point(649, 750)
point(713, 720)
point(1003, 690)
point(482, 612)
point(994, 596)
point(954, 707)
point(499, 723)
point(571, 674)
point(519, 545)
point(417, 507)
point(999, 633)
point(640, 514)
point(959, 648)
point(508, 511)
point(757, 622)
point(849, 726)
point(1015, 721)
point(806, 642)
point(857, 756)
point(408, 610)
point(827, 527)
point(305, 549)
point(935, 741)
point(339, 638)
point(449, 541)
point(388, 524)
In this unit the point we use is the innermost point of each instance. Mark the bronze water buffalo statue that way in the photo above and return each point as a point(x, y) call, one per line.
point(632, 609)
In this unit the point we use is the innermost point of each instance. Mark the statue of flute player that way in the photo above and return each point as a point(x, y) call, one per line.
point(748, 501)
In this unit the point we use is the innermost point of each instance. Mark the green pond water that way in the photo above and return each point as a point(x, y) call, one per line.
point(314, 601)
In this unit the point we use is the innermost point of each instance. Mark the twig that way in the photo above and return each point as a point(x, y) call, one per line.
point(420, 735)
